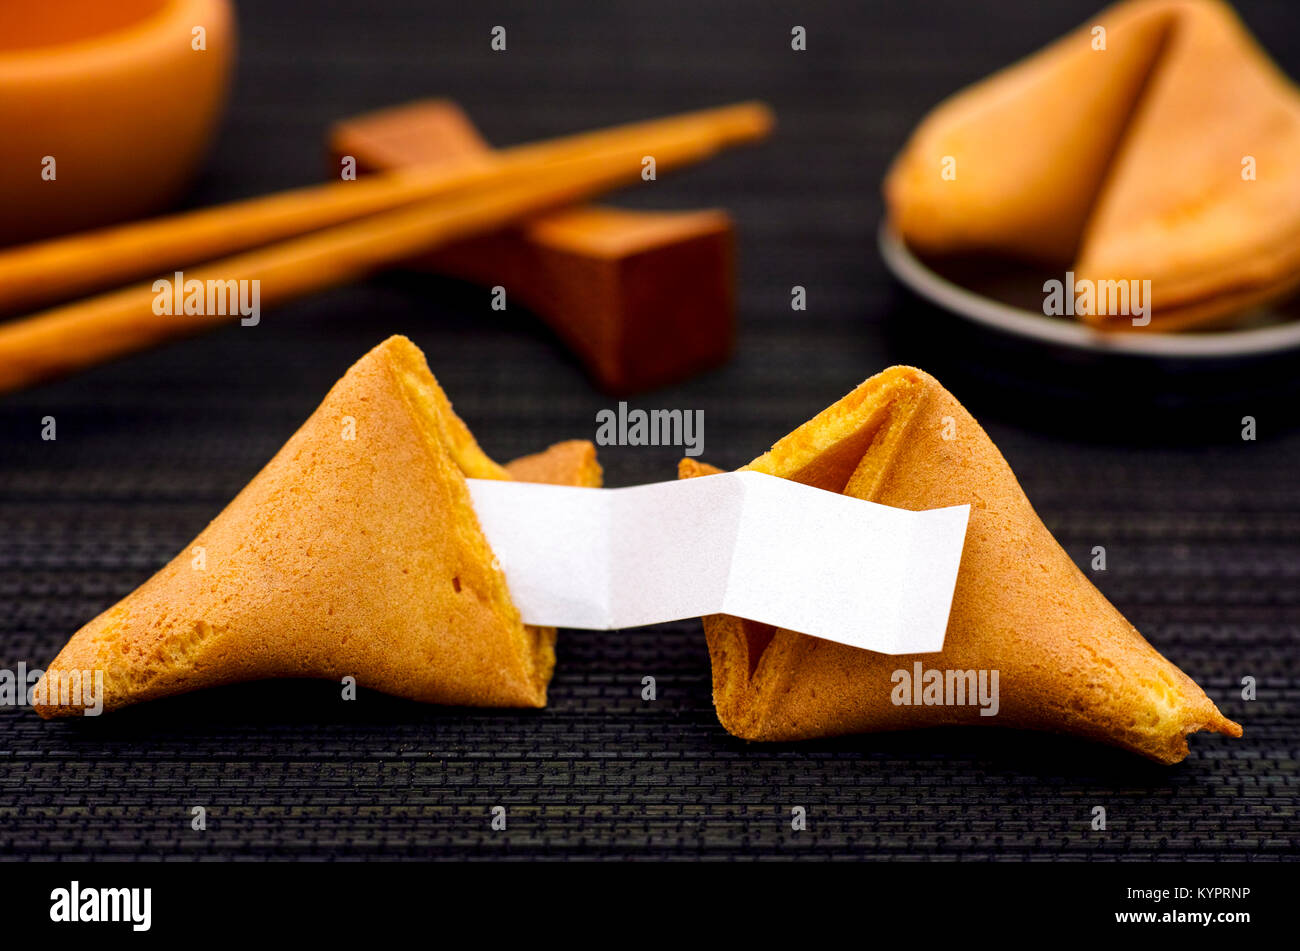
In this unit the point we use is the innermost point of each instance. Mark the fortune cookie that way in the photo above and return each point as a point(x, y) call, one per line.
point(1203, 197)
point(1155, 143)
point(354, 552)
point(1067, 661)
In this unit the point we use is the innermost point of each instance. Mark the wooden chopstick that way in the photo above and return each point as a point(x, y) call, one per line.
point(91, 331)
point(72, 266)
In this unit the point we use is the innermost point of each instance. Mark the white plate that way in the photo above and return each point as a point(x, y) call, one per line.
point(1274, 331)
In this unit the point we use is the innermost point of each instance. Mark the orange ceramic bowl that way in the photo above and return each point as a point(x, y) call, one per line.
point(115, 93)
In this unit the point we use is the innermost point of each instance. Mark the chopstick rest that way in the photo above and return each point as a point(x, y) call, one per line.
point(643, 298)
point(1065, 660)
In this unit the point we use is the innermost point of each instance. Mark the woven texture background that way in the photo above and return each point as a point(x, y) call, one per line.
point(1202, 530)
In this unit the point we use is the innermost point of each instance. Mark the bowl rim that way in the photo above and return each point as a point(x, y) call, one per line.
point(136, 38)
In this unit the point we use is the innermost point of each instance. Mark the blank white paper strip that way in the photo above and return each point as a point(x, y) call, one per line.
point(739, 543)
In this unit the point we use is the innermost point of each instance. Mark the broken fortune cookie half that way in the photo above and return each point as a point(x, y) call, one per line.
point(354, 552)
point(1067, 660)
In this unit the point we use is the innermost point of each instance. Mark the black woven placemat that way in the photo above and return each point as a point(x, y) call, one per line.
point(1202, 529)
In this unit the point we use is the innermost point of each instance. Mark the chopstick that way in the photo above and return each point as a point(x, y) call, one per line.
point(68, 267)
point(87, 332)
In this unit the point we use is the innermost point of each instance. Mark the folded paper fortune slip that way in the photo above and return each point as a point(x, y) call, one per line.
point(739, 543)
